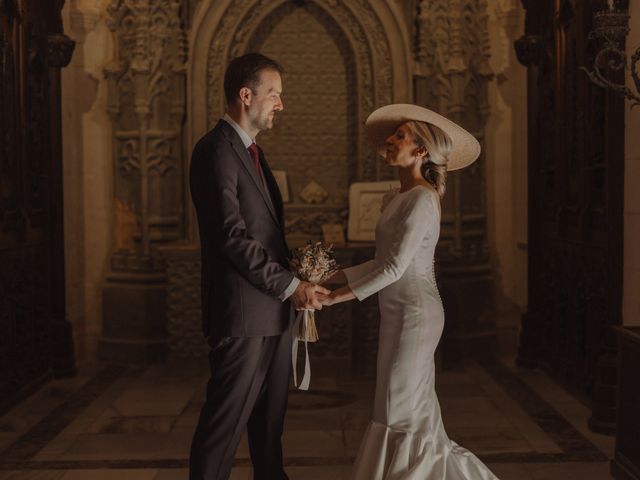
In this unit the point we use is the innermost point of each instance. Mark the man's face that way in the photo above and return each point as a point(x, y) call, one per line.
point(265, 100)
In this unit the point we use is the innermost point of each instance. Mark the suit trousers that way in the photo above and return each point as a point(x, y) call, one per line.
point(248, 388)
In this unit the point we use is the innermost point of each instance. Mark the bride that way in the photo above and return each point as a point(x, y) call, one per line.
point(406, 438)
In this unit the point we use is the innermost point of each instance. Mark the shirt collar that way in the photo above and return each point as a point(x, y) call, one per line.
point(244, 136)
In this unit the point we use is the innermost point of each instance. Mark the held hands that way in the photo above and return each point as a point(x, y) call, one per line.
point(342, 294)
point(309, 296)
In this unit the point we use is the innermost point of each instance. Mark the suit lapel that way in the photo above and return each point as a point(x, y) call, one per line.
point(245, 159)
point(276, 196)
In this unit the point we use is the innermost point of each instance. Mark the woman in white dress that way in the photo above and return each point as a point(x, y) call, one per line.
point(406, 438)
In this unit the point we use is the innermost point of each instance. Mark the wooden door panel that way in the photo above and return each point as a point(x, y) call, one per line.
point(31, 273)
point(575, 202)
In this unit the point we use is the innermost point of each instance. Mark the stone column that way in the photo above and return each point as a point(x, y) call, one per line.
point(146, 82)
point(452, 73)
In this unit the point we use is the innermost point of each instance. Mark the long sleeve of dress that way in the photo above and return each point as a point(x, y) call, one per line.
point(356, 272)
point(412, 226)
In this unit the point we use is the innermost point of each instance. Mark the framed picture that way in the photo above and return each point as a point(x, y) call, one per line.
point(281, 180)
point(365, 201)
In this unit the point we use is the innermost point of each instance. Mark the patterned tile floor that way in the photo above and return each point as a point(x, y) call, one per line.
point(136, 423)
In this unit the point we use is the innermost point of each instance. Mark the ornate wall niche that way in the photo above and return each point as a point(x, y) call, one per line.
point(376, 51)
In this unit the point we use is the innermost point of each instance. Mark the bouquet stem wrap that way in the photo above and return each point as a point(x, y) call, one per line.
point(312, 263)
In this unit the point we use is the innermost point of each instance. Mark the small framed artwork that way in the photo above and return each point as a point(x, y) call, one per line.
point(332, 233)
point(365, 202)
point(281, 180)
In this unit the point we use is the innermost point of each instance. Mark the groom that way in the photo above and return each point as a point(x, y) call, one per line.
point(247, 290)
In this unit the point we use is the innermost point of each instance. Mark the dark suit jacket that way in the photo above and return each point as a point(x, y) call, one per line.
point(244, 252)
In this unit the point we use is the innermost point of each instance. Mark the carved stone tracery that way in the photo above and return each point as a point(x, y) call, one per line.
point(147, 102)
point(147, 105)
point(452, 57)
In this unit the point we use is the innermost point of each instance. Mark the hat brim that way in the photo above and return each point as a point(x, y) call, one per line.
point(385, 120)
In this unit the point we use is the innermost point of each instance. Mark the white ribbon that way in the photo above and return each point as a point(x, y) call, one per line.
point(306, 379)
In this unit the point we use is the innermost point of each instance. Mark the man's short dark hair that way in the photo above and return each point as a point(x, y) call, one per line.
point(244, 71)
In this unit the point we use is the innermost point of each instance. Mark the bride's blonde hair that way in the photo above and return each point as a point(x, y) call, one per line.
point(438, 145)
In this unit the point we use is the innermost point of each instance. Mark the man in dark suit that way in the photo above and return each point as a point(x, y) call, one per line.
point(248, 292)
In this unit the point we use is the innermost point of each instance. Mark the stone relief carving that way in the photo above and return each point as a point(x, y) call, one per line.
point(146, 82)
point(314, 193)
point(452, 60)
point(453, 39)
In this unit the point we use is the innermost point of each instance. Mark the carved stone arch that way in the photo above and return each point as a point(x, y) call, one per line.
point(223, 28)
point(374, 31)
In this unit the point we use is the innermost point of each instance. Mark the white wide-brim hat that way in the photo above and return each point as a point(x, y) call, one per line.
point(385, 120)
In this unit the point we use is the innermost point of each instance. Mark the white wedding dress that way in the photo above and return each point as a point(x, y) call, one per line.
point(406, 439)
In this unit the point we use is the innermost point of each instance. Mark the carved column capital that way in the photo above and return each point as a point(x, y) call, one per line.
point(453, 40)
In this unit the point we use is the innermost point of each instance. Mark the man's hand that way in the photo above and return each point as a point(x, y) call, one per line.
point(308, 296)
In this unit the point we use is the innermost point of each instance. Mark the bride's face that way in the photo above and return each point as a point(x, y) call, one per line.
point(401, 148)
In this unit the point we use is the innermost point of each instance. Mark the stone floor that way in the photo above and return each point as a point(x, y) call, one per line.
point(136, 423)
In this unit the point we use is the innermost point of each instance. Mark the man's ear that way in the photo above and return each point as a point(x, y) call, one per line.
point(245, 95)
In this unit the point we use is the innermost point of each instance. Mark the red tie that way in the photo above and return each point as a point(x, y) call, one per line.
point(253, 151)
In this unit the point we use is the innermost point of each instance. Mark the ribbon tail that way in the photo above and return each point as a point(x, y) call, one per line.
point(306, 379)
point(294, 348)
point(301, 321)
